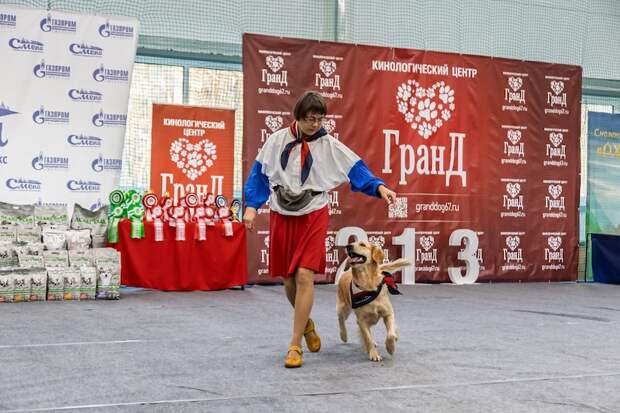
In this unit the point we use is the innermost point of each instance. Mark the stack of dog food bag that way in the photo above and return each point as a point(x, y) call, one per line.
point(44, 256)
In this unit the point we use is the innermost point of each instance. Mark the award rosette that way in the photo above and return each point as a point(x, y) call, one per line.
point(223, 212)
point(149, 201)
point(154, 213)
point(117, 212)
point(200, 218)
point(166, 202)
point(135, 213)
point(210, 209)
point(177, 215)
point(192, 201)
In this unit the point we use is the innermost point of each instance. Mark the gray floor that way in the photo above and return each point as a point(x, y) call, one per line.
point(481, 348)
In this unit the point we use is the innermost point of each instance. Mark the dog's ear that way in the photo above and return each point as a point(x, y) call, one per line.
point(377, 254)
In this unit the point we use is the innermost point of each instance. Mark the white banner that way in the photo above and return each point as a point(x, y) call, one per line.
point(64, 91)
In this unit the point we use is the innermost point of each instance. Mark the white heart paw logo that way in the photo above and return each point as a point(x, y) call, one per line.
point(554, 242)
point(555, 191)
point(556, 138)
point(513, 189)
point(557, 86)
point(513, 242)
point(274, 63)
point(425, 109)
point(274, 123)
point(329, 243)
point(377, 240)
point(193, 159)
point(327, 67)
point(514, 136)
point(427, 242)
point(515, 83)
point(329, 125)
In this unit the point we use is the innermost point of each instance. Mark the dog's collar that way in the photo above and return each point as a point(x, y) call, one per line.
point(364, 297)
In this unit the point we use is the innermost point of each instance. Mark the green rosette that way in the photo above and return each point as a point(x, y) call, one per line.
point(136, 215)
point(135, 212)
point(116, 198)
point(116, 214)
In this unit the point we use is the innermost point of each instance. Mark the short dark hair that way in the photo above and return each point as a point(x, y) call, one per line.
point(309, 102)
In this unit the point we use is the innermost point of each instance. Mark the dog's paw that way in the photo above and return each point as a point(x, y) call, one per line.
point(390, 344)
point(343, 335)
point(374, 355)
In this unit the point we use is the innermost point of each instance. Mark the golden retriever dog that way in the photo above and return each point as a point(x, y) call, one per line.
point(364, 285)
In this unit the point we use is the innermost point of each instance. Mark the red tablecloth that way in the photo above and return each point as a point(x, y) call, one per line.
point(170, 265)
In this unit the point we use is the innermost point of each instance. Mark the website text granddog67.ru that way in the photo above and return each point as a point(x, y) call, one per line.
point(435, 206)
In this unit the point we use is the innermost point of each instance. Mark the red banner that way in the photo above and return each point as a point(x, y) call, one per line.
point(192, 150)
point(482, 152)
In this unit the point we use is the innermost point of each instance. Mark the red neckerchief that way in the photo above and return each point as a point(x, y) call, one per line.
point(306, 156)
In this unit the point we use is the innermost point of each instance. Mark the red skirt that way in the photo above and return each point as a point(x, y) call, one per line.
point(297, 241)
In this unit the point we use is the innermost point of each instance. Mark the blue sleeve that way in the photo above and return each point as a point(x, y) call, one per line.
point(363, 180)
point(256, 189)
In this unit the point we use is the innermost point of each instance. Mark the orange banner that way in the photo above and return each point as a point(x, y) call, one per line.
point(192, 150)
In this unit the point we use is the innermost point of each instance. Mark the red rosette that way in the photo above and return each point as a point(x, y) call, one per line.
point(192, 200)
point(150, 200)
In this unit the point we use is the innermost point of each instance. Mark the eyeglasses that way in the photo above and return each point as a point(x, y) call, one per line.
point(314, 119)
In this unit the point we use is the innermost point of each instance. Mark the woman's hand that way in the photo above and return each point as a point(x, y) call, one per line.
point(388, 195)
point(248, 218)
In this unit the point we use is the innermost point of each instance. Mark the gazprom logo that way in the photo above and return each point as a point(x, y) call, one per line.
point(105, 74)
point(102, 119)
point(8, 20)
point(21, 184)
point(51, 24)
point(42, 161)
point(85, 141)
point(25, 45)
point(81, 95)
point(83, 186)
point(42, 116)
point(101, 164)
point(85, 50)
point(115, 30)
point(43, 69)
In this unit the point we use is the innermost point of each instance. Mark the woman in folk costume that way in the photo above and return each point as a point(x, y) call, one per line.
point(295, 169)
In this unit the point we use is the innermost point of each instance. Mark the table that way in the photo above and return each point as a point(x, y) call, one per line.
point(219, 262)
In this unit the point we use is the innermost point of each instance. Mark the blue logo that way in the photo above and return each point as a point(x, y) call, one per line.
point(81, 95)
point(103, 74)
point(100, 164)
point(50, 24)
point(97, 205)
point(42, 116)
point(83, 186)
point(8, 19)
point(85, 50)
point(21, 184)
point(109, 119)
point(49, 162)
point(115, 30)
point(84, 141)
point(46, 70)
point(24, 45)
point(4, 111)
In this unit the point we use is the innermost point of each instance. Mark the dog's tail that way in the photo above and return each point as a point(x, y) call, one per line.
point(394, 265)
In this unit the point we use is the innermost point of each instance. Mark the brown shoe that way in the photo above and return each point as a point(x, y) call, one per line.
point(313, 341)
point(293, 357)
